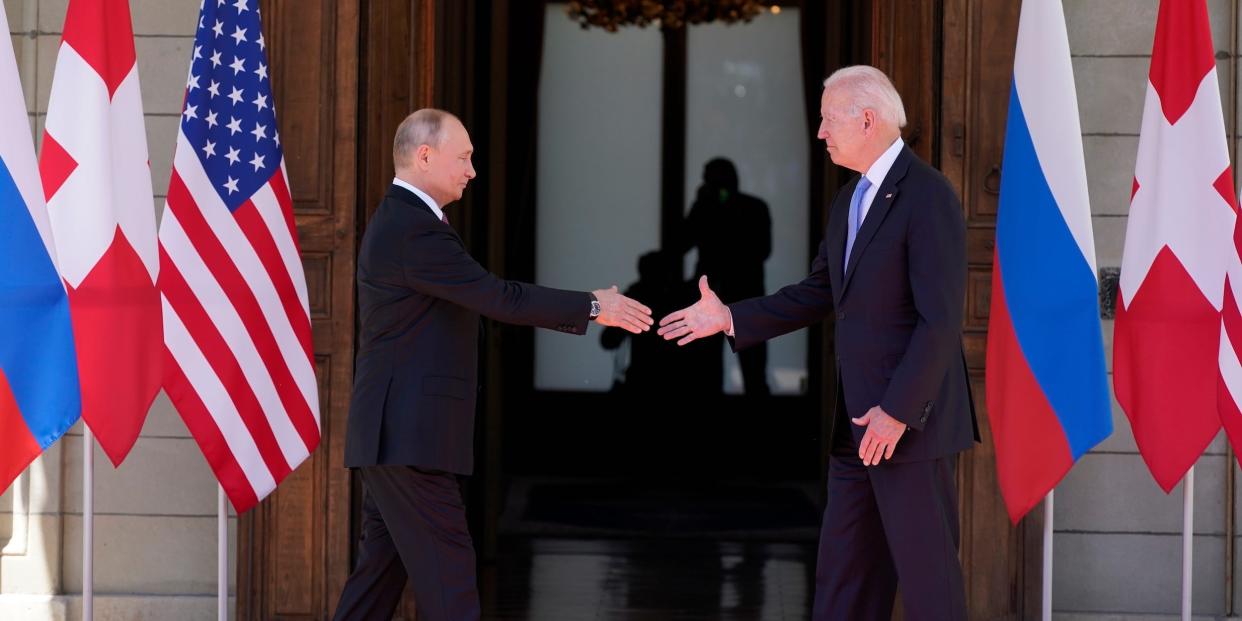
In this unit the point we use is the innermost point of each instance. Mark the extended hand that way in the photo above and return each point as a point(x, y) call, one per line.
point(702, 319)
point(883, 433)
point(622, 312)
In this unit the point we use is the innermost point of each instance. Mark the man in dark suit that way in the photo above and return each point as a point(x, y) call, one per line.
point(893, 268)
point(411, 419)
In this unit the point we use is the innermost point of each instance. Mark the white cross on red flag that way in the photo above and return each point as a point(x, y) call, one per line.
point(1167, 341)
point(97, 181)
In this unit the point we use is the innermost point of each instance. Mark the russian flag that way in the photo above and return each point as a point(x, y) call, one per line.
point(1047, 387)
point(39, 390)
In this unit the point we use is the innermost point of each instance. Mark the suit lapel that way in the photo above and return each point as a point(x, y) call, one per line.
point(403, 195)
point(876, 214)
point(835, 238)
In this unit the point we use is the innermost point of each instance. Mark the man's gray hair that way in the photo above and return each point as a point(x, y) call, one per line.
point(868, 88)
point(422, 127)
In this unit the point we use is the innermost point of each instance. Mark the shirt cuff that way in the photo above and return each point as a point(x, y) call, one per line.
point(729, 331)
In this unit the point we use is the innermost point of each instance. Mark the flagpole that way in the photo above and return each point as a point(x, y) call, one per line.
point(1046, 609)
point(1188, 528)
point(88, 523)
point(222, 556)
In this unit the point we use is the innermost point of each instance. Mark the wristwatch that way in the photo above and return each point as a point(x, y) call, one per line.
point(595, 307)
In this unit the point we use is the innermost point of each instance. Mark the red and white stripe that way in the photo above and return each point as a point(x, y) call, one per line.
point(239, 362)
point(1229, 391)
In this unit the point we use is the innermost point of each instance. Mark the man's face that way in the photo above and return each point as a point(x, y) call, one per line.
point(449, 168)
point(844, 135)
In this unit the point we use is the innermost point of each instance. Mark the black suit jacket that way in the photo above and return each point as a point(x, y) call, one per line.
point(420, 295)
point(898, 309)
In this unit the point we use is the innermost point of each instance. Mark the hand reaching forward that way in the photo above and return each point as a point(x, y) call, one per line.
point(616, 310)
point(883, 433)
point(699, 320)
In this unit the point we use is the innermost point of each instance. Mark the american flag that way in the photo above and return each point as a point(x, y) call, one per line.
point(237, 331)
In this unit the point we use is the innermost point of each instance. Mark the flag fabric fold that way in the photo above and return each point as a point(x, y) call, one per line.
point(97, 182)
point(39, 390)
point(1047, 388)
point(1169, 348)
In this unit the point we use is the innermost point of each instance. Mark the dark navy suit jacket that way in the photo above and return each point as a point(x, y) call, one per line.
point(898, 310)
point(420, 295)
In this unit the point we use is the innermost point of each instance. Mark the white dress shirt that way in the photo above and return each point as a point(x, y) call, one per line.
point(876, 174)
point(421, 194)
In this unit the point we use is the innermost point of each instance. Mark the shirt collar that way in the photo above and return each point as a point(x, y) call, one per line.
point(421, 194)
point(879, 169)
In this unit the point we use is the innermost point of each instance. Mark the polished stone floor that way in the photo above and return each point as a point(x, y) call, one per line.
point(554, 579)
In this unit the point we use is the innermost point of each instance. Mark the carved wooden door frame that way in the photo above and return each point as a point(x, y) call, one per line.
point(293, 550)
point(952, 61)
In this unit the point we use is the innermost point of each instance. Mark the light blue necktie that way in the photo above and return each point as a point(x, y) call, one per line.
point(855, 218)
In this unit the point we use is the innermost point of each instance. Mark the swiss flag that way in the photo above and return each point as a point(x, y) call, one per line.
point(97, 181)
point(1167, 342)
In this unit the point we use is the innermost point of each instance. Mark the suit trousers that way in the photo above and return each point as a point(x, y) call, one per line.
point(413, 528)
point(888, 526)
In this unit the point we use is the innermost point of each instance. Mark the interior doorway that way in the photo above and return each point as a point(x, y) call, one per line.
point(625, 125)
point(613, 447)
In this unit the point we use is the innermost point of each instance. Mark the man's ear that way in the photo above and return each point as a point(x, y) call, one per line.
point(422, 157)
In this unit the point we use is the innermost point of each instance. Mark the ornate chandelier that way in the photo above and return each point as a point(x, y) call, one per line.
point(670, 14)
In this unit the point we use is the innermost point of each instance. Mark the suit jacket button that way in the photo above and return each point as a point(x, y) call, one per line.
point(923, 418)
point(840, 315)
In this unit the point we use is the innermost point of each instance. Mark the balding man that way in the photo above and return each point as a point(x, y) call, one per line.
point(411, 419)
point(893, 268)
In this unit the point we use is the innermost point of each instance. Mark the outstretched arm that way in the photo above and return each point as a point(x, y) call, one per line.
point(619, 311)
point(793, 307)
point(438, 265)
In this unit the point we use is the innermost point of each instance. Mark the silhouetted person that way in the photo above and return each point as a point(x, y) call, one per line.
point(733, 232)
point(655, 364)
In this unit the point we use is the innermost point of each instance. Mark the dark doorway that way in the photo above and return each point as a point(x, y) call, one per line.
point(563, 417)
point(590, 463)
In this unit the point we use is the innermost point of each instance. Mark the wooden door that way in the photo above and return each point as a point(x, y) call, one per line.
point(1003, 561)
point(952, 61)
point(294, 548)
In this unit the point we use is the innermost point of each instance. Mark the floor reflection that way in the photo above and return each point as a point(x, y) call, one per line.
point(550, 579)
